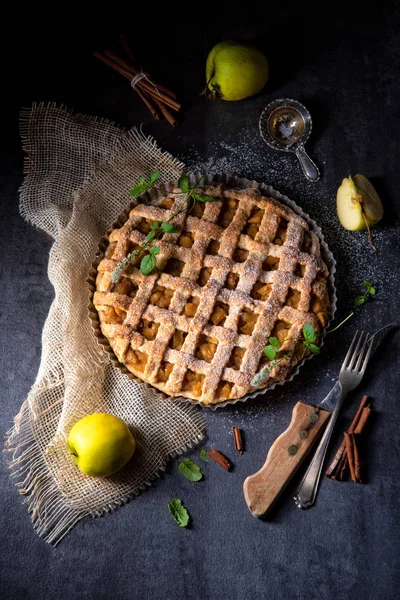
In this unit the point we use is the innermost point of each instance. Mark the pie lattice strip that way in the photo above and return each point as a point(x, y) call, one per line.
point(232, 242)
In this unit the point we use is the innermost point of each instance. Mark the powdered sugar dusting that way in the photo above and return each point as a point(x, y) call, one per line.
point(245, 155)
point(248, 157)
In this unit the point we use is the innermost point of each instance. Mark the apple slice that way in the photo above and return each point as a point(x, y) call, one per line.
point(358, 205)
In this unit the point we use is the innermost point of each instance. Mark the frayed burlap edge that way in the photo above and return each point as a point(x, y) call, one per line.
point(52, 514)
point(33, 479)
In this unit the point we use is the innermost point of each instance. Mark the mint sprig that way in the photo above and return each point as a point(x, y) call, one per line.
point(184, 181)
point(123, 265)
point(308, 338)
point(370, 290)
point(157, 230)
point(167, 227)
point(145, 184)
point(190, 191)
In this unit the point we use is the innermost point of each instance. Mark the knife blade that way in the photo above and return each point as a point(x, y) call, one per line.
point(290, 449)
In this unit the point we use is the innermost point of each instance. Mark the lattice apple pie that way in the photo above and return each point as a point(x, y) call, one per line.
point(236, 272)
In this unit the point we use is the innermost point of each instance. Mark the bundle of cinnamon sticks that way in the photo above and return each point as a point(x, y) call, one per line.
point(157, 98)
point(347, 458)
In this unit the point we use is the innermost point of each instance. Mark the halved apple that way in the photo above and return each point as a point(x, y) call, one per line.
point(358, 204)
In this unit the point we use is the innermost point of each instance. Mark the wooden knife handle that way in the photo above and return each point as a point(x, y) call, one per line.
point(284, 458)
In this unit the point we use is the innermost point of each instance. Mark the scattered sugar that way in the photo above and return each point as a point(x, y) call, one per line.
point(245, 155)
point(249, 157)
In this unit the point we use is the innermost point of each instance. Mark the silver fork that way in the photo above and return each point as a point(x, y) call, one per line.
point(351, 373)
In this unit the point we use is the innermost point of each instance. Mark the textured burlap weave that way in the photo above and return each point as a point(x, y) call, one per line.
point(79, 171)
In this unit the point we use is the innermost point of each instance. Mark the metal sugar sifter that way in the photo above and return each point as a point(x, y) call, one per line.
point(286, 125)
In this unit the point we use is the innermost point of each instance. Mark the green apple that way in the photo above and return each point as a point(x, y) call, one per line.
point(101, 444)
point(235, 71)
point(358, 205)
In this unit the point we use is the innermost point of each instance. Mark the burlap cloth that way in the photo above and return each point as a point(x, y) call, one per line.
point(79, 171)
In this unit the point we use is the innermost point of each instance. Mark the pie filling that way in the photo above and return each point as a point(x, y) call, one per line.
point(222, 329)
point(253, 224)
point(206, 348)
point(190, 307)
point(176, 342)
point(235, 359)
point(193, 383)
point(161, 296)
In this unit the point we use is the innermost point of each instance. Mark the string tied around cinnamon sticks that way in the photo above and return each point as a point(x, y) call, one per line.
point(142, 75)
point(138, 77)
point(156, 97)
point(347, 458)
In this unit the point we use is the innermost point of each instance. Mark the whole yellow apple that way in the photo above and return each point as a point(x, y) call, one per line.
point(101, 444)
point(235, 71)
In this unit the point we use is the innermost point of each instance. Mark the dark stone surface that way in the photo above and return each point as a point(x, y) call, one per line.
point(344, 66)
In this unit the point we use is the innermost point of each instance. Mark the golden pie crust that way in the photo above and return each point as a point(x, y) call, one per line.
point(238, 270)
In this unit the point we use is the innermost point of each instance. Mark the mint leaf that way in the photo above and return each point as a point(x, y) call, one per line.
point(154, 226)
point(314, 349)
point(190, 470)
point(203, 454)
point(142, 180)
point(168, 227)
point(368, 284)
point(150, 236)
point(179, 512)
point(274, 343)
point(372, 291)
point(203, 197)
point(153, 177)
point(154, 250)
point(269, 352)
point(138, 189)
point(184, 182)
point(309, 332)
point(359, 300)
point(262, 375)
point(147, 264)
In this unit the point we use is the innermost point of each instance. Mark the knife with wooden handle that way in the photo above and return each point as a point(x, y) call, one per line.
point(286, 454)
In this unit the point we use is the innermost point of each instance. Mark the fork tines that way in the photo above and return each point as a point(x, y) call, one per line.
point(360, 348)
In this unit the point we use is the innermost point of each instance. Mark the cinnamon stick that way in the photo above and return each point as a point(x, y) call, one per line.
point(154, 90)
point(113, 65)
point(128, 51)
point(170, 118)
point(338, 468)
point(350, 451)
point(336, 460)
point(148, 103)
point(162, 97)
point(343, 466)
point(357, 464)
point(334, 464)
point(156, 97)
point(365, 415)
point(219, 459)
point(237, 437)
point(340, 471)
